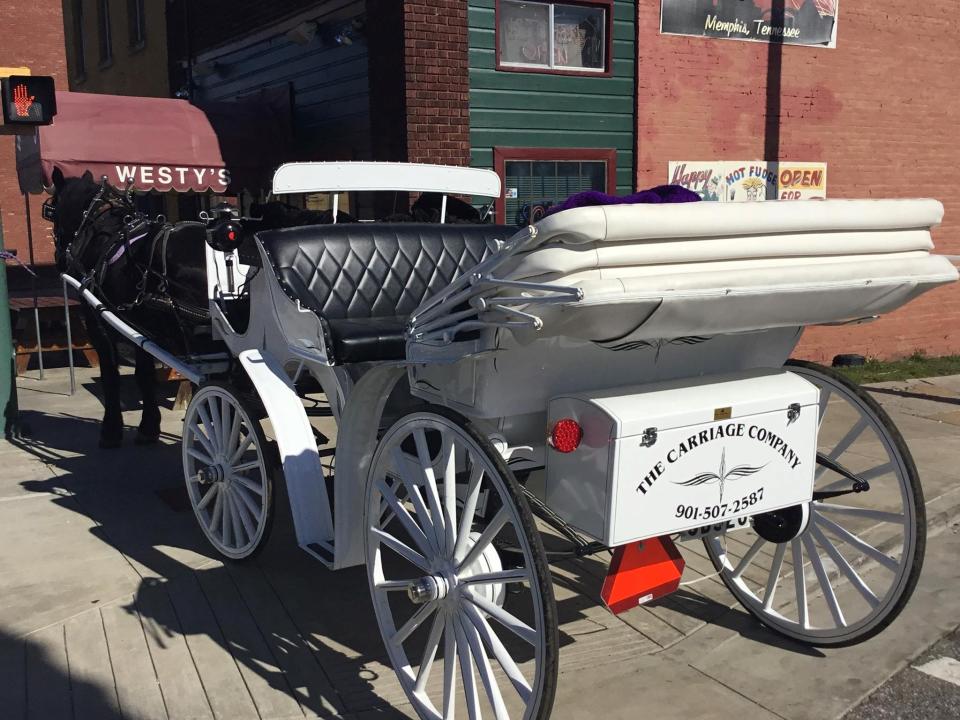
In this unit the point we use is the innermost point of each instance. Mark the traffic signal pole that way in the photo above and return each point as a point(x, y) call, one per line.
point(8, 382)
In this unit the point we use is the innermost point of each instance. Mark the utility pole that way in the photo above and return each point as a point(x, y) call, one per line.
point(8, 383)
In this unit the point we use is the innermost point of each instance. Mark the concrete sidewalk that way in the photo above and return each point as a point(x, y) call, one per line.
point(112, 606)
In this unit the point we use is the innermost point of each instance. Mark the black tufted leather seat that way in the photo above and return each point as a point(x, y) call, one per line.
point(365, 280)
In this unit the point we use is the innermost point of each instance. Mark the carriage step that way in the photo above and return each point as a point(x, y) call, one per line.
point(318, 412)
point(321, 552)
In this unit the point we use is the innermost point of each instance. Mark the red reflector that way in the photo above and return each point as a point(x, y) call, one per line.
point(641, 572)
point(566, 435)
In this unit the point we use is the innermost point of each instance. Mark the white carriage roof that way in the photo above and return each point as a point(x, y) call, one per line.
point(373, 176)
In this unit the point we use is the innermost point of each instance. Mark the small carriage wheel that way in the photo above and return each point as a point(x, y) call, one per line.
point(227, 465)
point(861, 552)
point(442, 592)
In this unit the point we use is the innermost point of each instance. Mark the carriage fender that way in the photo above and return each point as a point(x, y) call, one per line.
point(356, 445)
point(302, 471)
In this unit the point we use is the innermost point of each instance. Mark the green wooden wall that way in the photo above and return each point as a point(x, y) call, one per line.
point(510, 109)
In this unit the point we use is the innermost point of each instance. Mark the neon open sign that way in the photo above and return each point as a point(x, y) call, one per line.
point(28, 100)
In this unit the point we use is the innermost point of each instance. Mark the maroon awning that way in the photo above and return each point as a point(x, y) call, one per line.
point(155, 143)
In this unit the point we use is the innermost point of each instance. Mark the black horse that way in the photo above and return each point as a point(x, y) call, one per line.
point(150, 273)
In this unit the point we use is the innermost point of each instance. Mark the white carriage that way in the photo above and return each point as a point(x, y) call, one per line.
point(612, 374)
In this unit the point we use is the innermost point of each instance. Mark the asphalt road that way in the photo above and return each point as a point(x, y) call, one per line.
point(928, 689)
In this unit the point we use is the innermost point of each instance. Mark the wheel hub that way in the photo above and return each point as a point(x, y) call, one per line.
point(427, 589)
point(780, 526)
point(211, 474)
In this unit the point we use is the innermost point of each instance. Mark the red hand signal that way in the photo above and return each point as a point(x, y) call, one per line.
point(21, 101)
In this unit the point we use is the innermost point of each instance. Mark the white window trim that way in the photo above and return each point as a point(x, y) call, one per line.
point(551, 39)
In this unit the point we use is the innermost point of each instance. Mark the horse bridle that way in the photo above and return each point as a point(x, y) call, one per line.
point(73, 250)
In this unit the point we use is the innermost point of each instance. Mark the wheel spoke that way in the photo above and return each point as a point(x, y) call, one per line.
point(247, 483)
point(511, 623)
point(428, 526)
point(774, 577)
point(400, 512)
point(824, 401)
point(208, 496)
point(748, 558)
point(236, 523)
point(401, 549)
point(841, 447)
point(430, 485)
point(851, 539)
point(216, 515)
point(486, 537)
point(211, 430)
point(878, 515)
point(449, 668)
point(799, 583)
point(415, 621)
point(486, 672)
point(249, 503)
point(244, 467)
point(503, 576)
point(244, 513)
point(450, 492)
point(198, 434)
point(225, 420)
point(429, 652)
point(824, 581)
point(466, 672)
point(199, 456)
point(500, 652)
point(469, 510)
point(234, 435)
point(846, 568)
point(226, 521)
point(242, 448)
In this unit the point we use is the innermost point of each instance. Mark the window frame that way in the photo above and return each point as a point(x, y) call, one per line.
point(607, 5)
point(79, 41)
point(104, 33)
point(136, 24)
point(502, 155)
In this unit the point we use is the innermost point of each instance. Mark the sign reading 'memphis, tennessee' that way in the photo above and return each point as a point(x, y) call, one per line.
point(757, 433)
point(797, 22)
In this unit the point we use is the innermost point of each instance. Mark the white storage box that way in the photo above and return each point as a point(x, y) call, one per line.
point(664, 458)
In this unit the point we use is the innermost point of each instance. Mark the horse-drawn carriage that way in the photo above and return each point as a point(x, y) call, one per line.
point(609, 376)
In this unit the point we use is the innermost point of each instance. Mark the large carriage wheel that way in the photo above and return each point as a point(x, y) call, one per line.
point(451, 588)
point(861, 552)
point(227, 464)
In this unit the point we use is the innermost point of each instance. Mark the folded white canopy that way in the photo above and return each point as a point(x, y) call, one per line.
point(661, 271)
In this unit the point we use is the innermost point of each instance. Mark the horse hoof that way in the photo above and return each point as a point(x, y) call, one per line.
point(110, 443)
point(143, 438)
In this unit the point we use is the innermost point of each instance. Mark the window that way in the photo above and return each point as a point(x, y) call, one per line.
point(79, 42)
point(535, 178)
point(568, 37)
point(103, 28)
point(136, 23)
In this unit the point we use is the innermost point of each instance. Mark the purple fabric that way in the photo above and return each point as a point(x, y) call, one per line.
point(659, 194)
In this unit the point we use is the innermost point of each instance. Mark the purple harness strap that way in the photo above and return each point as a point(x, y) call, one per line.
point(122, 249)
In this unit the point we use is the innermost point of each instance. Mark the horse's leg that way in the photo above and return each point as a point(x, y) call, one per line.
point(149, 430)
point(111, 430)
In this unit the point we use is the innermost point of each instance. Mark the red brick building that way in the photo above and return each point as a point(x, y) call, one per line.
point(879, 109)
point(33, 38)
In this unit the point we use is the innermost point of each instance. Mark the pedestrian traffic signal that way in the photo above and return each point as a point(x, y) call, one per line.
point(28, 100)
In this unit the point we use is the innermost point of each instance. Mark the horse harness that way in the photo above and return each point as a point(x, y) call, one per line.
point(136, 227)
